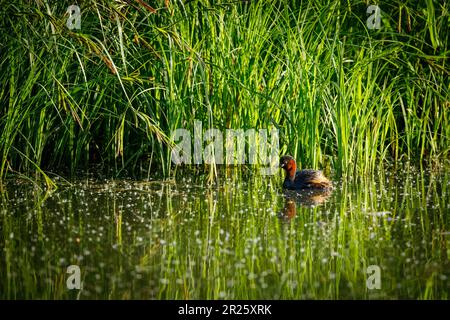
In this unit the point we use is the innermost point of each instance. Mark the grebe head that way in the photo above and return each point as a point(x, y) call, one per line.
point(288, 164)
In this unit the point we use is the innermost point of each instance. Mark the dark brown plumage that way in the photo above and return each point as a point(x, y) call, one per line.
point(303, 179)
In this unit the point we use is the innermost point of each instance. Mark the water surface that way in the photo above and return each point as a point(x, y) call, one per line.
point(234, 240)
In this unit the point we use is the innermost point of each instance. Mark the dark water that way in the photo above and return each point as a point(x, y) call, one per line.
point(382, 237)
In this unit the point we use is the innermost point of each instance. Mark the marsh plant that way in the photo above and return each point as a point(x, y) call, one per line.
point(111, 87)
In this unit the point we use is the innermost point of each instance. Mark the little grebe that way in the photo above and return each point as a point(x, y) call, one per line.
point(303, 179)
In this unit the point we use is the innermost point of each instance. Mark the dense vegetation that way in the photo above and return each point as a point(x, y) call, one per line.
point(112, 92)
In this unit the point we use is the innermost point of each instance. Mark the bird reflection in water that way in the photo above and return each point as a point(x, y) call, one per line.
point(305, 198)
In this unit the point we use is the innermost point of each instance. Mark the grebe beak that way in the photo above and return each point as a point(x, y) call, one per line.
point(282, 165)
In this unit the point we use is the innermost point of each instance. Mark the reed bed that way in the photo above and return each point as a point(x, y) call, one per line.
point(342, 96)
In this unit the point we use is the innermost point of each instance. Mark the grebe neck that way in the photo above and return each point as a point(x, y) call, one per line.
point(291, 170)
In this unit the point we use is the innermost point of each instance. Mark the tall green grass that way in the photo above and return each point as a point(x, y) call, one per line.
point(111, 93)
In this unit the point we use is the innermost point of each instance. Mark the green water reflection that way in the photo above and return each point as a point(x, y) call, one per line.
point(236, 240)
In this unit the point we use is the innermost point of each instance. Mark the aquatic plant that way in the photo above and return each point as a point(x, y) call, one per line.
point(341, 95)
